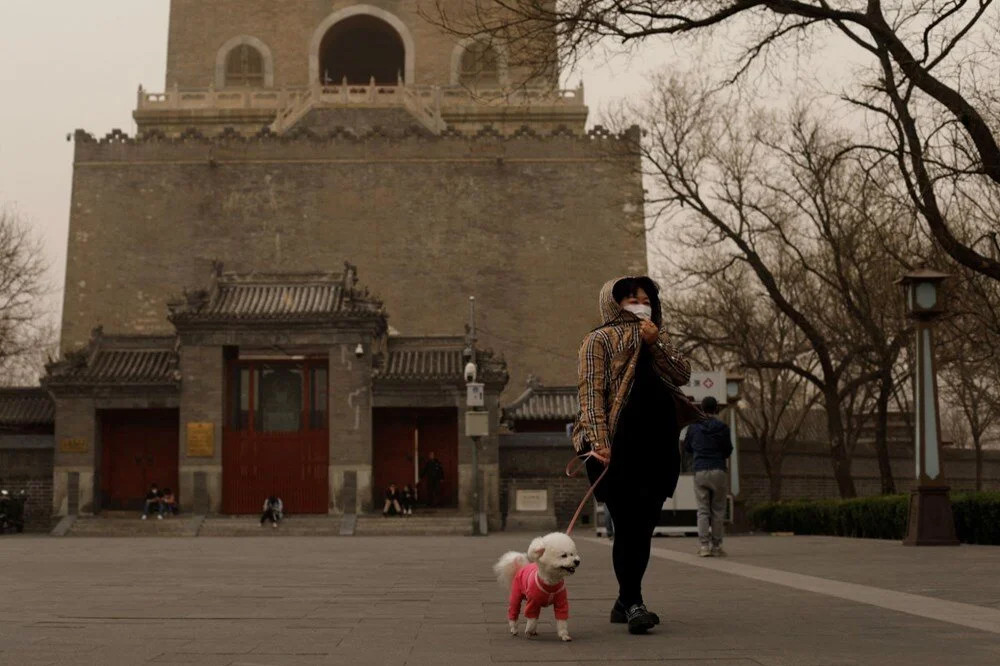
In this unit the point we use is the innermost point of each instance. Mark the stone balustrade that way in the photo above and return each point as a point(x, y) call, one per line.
point(432, 97)
point(209, 98)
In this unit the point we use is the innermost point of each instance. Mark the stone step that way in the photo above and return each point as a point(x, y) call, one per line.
point(433, 525)
point(234, 526)
point(127, 525)
point(177, 526)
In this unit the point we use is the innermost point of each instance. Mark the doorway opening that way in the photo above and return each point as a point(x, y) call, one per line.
point(359, 48)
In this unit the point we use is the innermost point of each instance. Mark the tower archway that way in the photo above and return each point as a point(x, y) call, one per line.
point(361, 42)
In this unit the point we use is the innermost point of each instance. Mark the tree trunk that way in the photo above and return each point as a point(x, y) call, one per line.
point(979, 464)
point(774, 479)
point(765, 460)
point(838, 447)
point(882, 433)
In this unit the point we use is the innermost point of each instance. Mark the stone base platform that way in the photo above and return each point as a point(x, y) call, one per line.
point(128, 524)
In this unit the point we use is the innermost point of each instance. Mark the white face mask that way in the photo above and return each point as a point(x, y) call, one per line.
point(639, 310)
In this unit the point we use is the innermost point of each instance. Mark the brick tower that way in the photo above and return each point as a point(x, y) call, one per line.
point(291, 137)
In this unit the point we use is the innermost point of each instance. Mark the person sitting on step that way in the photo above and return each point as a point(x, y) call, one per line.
point(407, 499)
point(169, 503)
point(392, 506)
point(273, 508)
point(154, 500)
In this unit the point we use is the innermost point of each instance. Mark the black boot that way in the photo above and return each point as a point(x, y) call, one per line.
point(619, 614)
point(639, 619)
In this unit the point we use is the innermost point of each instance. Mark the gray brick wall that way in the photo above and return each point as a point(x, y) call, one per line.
point(75, 419)
point(541, 458)
point(806, 472)
point(30, 469)
point(531, 226)
point(202, 397)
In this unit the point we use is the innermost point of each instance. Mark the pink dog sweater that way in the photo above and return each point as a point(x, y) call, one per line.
point(527, 585)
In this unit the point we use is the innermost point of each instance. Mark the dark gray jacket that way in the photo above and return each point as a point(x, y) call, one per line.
point(710, 444)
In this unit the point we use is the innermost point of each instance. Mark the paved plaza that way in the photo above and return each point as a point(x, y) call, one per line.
point(795, 601)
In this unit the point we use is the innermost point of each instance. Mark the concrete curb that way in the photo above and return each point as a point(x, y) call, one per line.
point(63, 526)
point(348, 524)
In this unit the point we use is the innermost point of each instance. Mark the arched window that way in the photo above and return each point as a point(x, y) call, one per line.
point(480, 65)
point(244, 67)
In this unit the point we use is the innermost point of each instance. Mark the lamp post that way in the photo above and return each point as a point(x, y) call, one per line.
point(476, 420)
point(733, 383)
point(931, 522)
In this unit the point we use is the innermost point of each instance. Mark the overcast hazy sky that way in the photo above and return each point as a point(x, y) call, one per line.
point(72, 64)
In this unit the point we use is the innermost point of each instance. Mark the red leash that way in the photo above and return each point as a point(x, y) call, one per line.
point(570, 472)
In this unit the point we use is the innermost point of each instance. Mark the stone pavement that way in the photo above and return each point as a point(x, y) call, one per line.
point(795, 601)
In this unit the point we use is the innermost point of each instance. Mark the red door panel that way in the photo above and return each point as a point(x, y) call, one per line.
point(271, 451)
point(393, 438)
point(294, 466)
point(139, 448)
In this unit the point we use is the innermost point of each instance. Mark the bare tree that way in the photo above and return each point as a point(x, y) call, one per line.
point(930, 88)
point(730, 318)
point(787, 202)
point(23, 332)
point(970, 373)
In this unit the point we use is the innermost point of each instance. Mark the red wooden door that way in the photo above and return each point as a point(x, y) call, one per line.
point(395, 431)
point(139, 448)
point(294, 466)
point(276, 440)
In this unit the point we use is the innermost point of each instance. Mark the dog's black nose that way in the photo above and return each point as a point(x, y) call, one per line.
point(576, 562)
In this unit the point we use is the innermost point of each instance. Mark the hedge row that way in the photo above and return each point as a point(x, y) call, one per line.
point(977, 517)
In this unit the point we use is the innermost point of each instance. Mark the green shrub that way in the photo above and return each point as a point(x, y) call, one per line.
point(977, 517)
point(869, 517)
point(873, 517)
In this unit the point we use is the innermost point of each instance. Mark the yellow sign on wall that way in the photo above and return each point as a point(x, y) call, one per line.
point(200, 440)
point(73, 445)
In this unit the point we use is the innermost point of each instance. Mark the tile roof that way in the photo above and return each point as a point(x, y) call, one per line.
point(26, 407)
point(544, 403)
point(276, 297)
point(446, 364)
point(432, 358)
point(262, 300)
point(118, 360)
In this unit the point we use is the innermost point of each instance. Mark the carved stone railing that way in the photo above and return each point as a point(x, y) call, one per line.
point(275, 98)
point(426, 103)
point(372, 95)
point(264, 99)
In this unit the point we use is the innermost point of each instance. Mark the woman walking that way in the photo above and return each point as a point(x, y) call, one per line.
point(631, 413)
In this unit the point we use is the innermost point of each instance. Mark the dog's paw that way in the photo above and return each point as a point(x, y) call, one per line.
point(562, 631)
point(530, 634)
point(512, 627)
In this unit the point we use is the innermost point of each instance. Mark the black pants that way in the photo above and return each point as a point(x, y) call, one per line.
point(433, 492)
point(270, 514)
point(635, 516)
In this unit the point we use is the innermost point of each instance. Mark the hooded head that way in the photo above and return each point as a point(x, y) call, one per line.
point(615, 291)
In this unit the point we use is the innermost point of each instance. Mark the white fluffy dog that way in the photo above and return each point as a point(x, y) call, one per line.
point(538, 576)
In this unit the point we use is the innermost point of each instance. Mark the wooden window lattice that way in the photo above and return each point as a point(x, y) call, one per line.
point(479, 65)
point(244, 67)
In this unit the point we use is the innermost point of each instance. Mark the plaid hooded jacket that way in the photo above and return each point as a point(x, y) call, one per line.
point(608, 357)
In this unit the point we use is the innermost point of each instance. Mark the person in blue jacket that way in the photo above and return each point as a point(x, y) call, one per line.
point(710, 444)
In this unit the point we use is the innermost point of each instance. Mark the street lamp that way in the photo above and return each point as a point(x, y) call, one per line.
point(931, 522)
point(733, 383)
point(476, 419)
